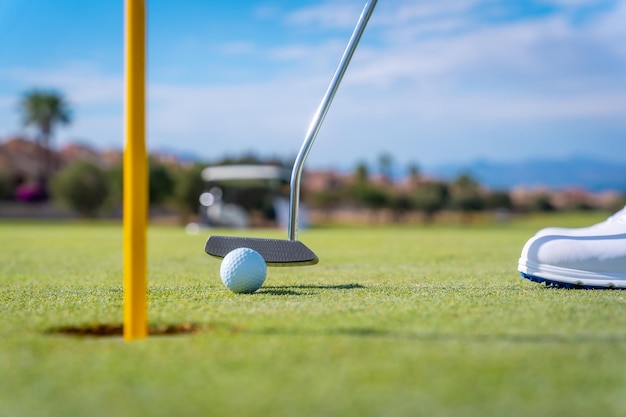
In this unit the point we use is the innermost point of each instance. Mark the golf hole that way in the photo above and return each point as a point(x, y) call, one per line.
point(115, 330)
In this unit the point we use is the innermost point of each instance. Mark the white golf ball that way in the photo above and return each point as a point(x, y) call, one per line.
point(243, 270)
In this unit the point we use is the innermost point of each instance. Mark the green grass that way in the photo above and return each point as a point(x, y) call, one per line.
point(394, 321)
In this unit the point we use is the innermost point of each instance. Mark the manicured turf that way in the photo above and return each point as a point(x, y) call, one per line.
point(394, 321)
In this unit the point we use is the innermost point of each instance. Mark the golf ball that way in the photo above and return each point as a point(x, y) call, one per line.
point(243, 270)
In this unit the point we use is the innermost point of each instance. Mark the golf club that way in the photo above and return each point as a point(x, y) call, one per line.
point(292, 252)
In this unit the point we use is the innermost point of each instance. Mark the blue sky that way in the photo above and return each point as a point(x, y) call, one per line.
point(431, 82)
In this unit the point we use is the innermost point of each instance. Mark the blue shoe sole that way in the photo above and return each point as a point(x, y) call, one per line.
point(566, 285)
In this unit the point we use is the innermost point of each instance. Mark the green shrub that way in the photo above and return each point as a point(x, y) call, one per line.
point(6, 186)
point(83, 187)
point(160, 183)
point(430, 198)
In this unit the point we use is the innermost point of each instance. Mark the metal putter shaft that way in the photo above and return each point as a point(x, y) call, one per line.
point(318, 118)
point(291, 252)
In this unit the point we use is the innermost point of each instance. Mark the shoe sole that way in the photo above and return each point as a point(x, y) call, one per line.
point(568, 285)
point(559, 277)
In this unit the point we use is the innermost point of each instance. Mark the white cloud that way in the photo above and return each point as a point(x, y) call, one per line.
point(95, 98)
point(427, 80)
point(83, 84)
point(573, 3)
point(325, 15)
point(611, 28)
point(9, 118)
point(540, 53)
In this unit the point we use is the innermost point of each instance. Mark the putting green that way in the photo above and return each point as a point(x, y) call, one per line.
point(396, 321)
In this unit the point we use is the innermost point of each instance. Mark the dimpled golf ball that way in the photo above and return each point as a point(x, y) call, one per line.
point(243, 270)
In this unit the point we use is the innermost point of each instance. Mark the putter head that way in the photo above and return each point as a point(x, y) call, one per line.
point(275, 252)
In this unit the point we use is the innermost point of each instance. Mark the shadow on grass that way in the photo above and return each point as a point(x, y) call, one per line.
point(117, 330)
point(304, 289)
point(367, 332)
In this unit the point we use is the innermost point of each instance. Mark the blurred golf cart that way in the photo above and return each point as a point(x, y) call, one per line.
point(242, 196)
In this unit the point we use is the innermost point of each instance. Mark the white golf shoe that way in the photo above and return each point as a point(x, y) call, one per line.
point(591, 257)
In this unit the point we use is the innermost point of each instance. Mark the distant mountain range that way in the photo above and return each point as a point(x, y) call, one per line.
point(582, 172)
point(575, 171)
point(591, 174)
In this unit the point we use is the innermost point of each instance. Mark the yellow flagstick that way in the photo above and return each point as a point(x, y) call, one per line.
point(135, 204)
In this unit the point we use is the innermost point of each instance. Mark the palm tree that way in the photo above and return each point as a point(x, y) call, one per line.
point(44, 109)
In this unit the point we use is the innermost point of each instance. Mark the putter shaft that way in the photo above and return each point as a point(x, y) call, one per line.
point(318, 118)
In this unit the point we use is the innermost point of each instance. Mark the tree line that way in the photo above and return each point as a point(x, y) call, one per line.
point(91, 189)
point(464, 194)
